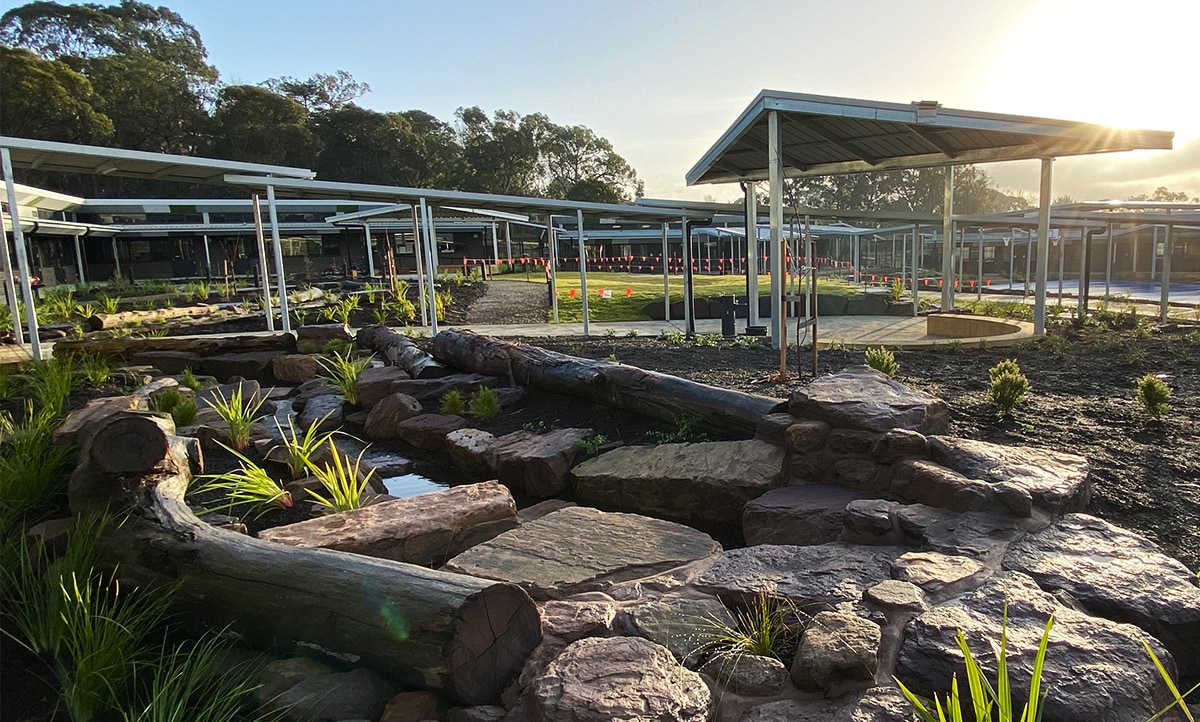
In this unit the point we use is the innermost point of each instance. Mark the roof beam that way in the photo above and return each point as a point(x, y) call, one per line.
point(929, 138)
point(846, 145)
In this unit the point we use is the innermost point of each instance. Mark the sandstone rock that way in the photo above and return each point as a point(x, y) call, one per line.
point(385, 464)
point(1117, 574)
point(899, 444)
point(537, 464)
point(514, 695)
point(974, 534)
point(541, 509)
point(677, 623)
point(467, 449)
point(772, 427)
point(863, 398)
point(878, 704)
point(851, 441)
point(310, 389)
point(793, 710)
point(924, 482)
point(1095, 669)
point(621, 678)
point(871, 521)
point(836, 648)
point(94, 411)
point(430, 391)
point(481, 713)
point(806, 514)
point(706, 482)
point(581, 549)
point(295, 368)
point(280, 675)
point(571, 620)
point(809, 576)
point(376, 383)
point(1056, 480)
point(751, 675)
point(357, 694)
point(255, 365)
point(805, 436)
point(169, 362)
point(325, 412)
point(893, 596)
point(323, 333)
point(251, 391)
point(426, 431)
point(916, 519)
point(939, 575)
point(862, 474)
point(414, 707)
point(387, 415)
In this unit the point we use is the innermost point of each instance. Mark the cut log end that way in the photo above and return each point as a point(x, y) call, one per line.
point(130, 445)
point(495, 632)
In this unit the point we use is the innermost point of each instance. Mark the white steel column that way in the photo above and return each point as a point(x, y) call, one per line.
point(1165, 298)
point(916, 269)
point(775, 248)
point(508, 240)
point(583, 292)
point(79, 259)
point(116, 255)
point(752, 255)
point(1043, 275)
point(551, 247)
point(370, 251)
point(495, 245)
point(1134, 233)
point(1108, 259)
point(979, 275)
point(688, 302)
point(10, 283)
point(207, 255)
point(420, 266)
point(430, 241)
point(948, 240)
point(14, 217)
point(806, 264)
point(1154, 254)
point(1062, 256)
point(262, 262)
point(280, 281)
point(666, 274)
point(1085, 272)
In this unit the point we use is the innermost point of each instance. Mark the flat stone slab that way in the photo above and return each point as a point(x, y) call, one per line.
point(1057, 481)
point(862, 398)
point(704, 482)
point(937, 574)
point(681, 624)
point(807, 514)
point(581, 549)
point(1119, 575)
point(809, 576)
point(537, 464)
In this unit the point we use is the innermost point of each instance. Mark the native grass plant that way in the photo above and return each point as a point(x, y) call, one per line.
point(988, 702)
point(1153, 395)
point(181, 407)
point(300, 314)
point(33, 468)
point(343, 308)
point(591, 443)
point(188, 378)
point(298, 449)
point(239, 414)
point(338, 345)
point(200, 290)
point(343, 484)
point(882, 360)
point(769, 627)
point(688, 429)
point(51, 381)
point(248, 485)
point(442, 301)
point(452, 403)
point(86, 310)
point(896, 289)
point(58, 304)
point(484, 404)
point(95, 369)
point(1008, 388)
point(401, 308)
point(380, 315)
point(343, 372)
point(110, 304)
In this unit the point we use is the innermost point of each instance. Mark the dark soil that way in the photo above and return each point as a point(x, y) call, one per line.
point(1146, 473)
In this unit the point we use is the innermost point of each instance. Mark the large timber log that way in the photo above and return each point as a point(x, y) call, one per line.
point(400, 351)
point(460, 635)
point(126, 347)
point(102, 321)
point(653, 394)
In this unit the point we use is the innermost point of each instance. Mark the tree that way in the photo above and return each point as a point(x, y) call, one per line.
point(501, 152)
point(321, 92)
point(365, 146)
point(918, 190)
point(437, 155)
point(253, 124)
point(151, 103)
point(46, 99)
point(580, 165)
point(1164, 195)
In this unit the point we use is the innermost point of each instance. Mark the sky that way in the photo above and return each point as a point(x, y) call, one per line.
point(663, 79)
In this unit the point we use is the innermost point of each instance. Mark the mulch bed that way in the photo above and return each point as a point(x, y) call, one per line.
point(1146, 474)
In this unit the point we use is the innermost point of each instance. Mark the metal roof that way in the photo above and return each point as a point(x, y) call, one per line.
point(94, 159)
point(32, 197)
point(824, 135)
point(54, 227)
point(479, 201)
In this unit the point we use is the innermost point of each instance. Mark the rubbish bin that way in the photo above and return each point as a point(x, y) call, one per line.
point(728, 316)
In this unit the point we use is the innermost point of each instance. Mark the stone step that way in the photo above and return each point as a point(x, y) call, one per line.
point(807, 514)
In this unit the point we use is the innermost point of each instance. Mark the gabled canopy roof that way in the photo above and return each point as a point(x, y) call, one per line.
point(74, 158)
point(825, 135)
point(33, 197)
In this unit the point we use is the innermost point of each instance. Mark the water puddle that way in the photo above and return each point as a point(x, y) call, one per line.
point(408, 485)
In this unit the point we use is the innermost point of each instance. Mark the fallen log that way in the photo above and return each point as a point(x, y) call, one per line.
point(399, 350)
point(126, 347)
point(104, 321)
point(659, 396)
point(460, 635)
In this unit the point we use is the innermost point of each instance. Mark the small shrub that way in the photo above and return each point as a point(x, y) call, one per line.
point(632, 333)
point(882, 360)
point(1009, 387)
point(249, 485)
point(51, 382)
point(452, 403)
point(33, 468)
point(687, 430)
point(380, 314)
point(610, 333)
point(343, 372)
point(338, 345)
point(181, 407)
point(239, 414)
point(592, 443)
point(110, 304)
point(95, 369)
point(344, 484)
point(897, 289)
point(188, 379)
point(1153, 395)
point(484, 404)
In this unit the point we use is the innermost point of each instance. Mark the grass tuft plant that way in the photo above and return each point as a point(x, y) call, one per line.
point(299, 448)
point(882, 360)
point(769, 627)
point(1009, 387)
point(250, 485)
point(484, 404)
point(1153, 395)
point(343, 372)
point(239, 414)
point(188, 379)
point(181, 407)
point(33, 468)
point(452, 403)
point(344, 484)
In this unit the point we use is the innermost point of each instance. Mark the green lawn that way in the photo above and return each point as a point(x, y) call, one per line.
point(647, 289)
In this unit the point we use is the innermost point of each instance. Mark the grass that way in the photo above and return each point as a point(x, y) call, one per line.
point(343, 372)
point(648, 288)
point(33, 468)
point(249, 485)
point(343, 484)
point(182, 408)
point(95, 369)
point(239, 414)
point(188, 378)
point(1153, 395)
point(766, 629)
point(51, 382)
point(452, 403)
point(299, 448)
point(882, 360)
point(484, 404)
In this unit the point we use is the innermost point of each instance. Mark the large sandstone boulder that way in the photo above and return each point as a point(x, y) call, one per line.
point(862, 398)
point(621, 678)
point(536, 464)
point(430, 391)
point(387, 414)
point(467, 448)
point(426, 529)
point(169, 362)
point(807, 514)
point(357, 694)
point(323, 411)
point(809, 576)
point(681, 624)
point(322, 333)
point(1095, 669)
point(1057, 481)
point(573, 620)
point(836, 648)
point(751, 675)
point(426, 431)
point(581, 549)
point(1120, 575)
point(249, 365)
point(375, 383)
point(705, 482)
point(878, 704)
point(295, 368)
